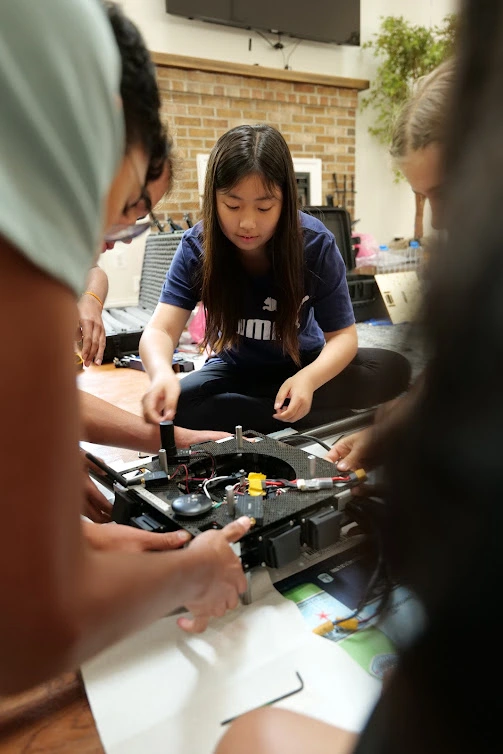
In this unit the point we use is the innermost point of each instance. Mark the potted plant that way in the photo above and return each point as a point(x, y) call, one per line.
point(406, 53)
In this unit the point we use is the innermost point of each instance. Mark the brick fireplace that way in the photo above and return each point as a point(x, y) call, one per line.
point(316, 114)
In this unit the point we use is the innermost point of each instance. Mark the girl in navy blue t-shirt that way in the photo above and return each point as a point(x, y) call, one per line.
point(279, 319)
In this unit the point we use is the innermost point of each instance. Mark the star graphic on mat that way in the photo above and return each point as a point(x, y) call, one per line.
point(323, 616)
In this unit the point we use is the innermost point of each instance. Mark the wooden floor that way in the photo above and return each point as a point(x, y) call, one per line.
point(121, 386)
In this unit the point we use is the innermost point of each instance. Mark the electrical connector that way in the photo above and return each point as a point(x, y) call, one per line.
point(351, 624)
point(358, 475)
point(251, 506)
point(347, 624)
point(311, 485)
point(256, 483)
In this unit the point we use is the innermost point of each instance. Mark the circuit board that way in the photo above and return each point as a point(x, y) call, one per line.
point(277, 481)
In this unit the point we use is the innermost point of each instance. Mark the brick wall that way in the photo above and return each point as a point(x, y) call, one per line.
point(199, 106)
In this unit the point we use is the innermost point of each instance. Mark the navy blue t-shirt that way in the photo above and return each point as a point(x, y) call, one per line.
point(326, 306)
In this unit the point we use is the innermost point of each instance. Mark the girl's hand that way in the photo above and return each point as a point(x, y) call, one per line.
point(298, 391)
point(159, 403)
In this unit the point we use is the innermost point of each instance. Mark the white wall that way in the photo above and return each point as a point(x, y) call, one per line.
point(385, 209)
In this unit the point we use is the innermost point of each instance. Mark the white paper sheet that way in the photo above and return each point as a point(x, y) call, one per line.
point(164, 691)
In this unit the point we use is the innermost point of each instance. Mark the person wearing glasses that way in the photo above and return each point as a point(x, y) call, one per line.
point(106, 424)
point(71, 159)
point(103, 423)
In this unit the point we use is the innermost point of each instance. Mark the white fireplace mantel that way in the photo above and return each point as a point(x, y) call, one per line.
point(310, 165)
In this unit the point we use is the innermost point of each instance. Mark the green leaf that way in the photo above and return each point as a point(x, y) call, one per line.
point(406, 52)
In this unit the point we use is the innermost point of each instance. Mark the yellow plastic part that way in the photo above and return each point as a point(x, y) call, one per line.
point(256, 483)
point(351, 624)
point(324, 628)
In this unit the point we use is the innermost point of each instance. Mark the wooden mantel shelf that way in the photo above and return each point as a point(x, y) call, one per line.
point(256, 71)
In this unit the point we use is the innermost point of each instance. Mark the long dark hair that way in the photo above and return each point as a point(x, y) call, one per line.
point(141, 99)
point(251, 150)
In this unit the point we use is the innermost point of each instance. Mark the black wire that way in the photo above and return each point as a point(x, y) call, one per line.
point(264, 37)
point(380, 570)
point(196, 459)
point(282, 48)
point(302, 436)
point(338, 437)
point(286, 59)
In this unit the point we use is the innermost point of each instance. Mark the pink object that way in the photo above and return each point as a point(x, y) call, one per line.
point(197, 324)
point(368, 246)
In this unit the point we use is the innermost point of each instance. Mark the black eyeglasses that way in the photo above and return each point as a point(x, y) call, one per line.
point(127, 231)
point(124, 233)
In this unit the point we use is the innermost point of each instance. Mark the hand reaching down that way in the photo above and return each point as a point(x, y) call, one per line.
point(221, 579)
point(159, 402)
point(298, 390)
point(91, 331)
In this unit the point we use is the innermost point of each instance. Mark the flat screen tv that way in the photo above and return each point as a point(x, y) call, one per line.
point(332, 21)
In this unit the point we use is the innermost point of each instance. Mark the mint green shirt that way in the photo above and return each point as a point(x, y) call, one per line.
point(61, 131)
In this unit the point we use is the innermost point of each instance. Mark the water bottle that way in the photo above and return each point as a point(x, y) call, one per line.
point(382, 258)
point(414, 255)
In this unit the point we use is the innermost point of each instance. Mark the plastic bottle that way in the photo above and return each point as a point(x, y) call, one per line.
point(382, 260)
point(414, 255)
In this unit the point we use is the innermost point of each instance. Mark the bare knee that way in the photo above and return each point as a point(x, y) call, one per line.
point(274, 731)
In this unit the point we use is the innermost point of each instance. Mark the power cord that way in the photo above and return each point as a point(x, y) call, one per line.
point(303, 436)
point(279, 45)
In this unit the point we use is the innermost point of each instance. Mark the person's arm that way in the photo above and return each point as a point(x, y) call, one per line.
point(64, 601)
point(91, 330)
point(340, 349)
point(106, 424)
point(157, 346)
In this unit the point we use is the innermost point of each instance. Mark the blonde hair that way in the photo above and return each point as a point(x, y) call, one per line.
point(422, 120)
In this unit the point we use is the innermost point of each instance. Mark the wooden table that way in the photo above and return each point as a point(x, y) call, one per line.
point(55, 718)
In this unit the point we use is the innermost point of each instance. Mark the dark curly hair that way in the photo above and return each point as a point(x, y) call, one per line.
point(139, 91)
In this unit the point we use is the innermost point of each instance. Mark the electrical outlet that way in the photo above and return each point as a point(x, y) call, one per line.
point(136, 283)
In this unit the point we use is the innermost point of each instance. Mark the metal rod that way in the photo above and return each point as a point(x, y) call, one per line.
point(231, 503)
point(163, 461)
point(239, 437)
point(312, 466)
